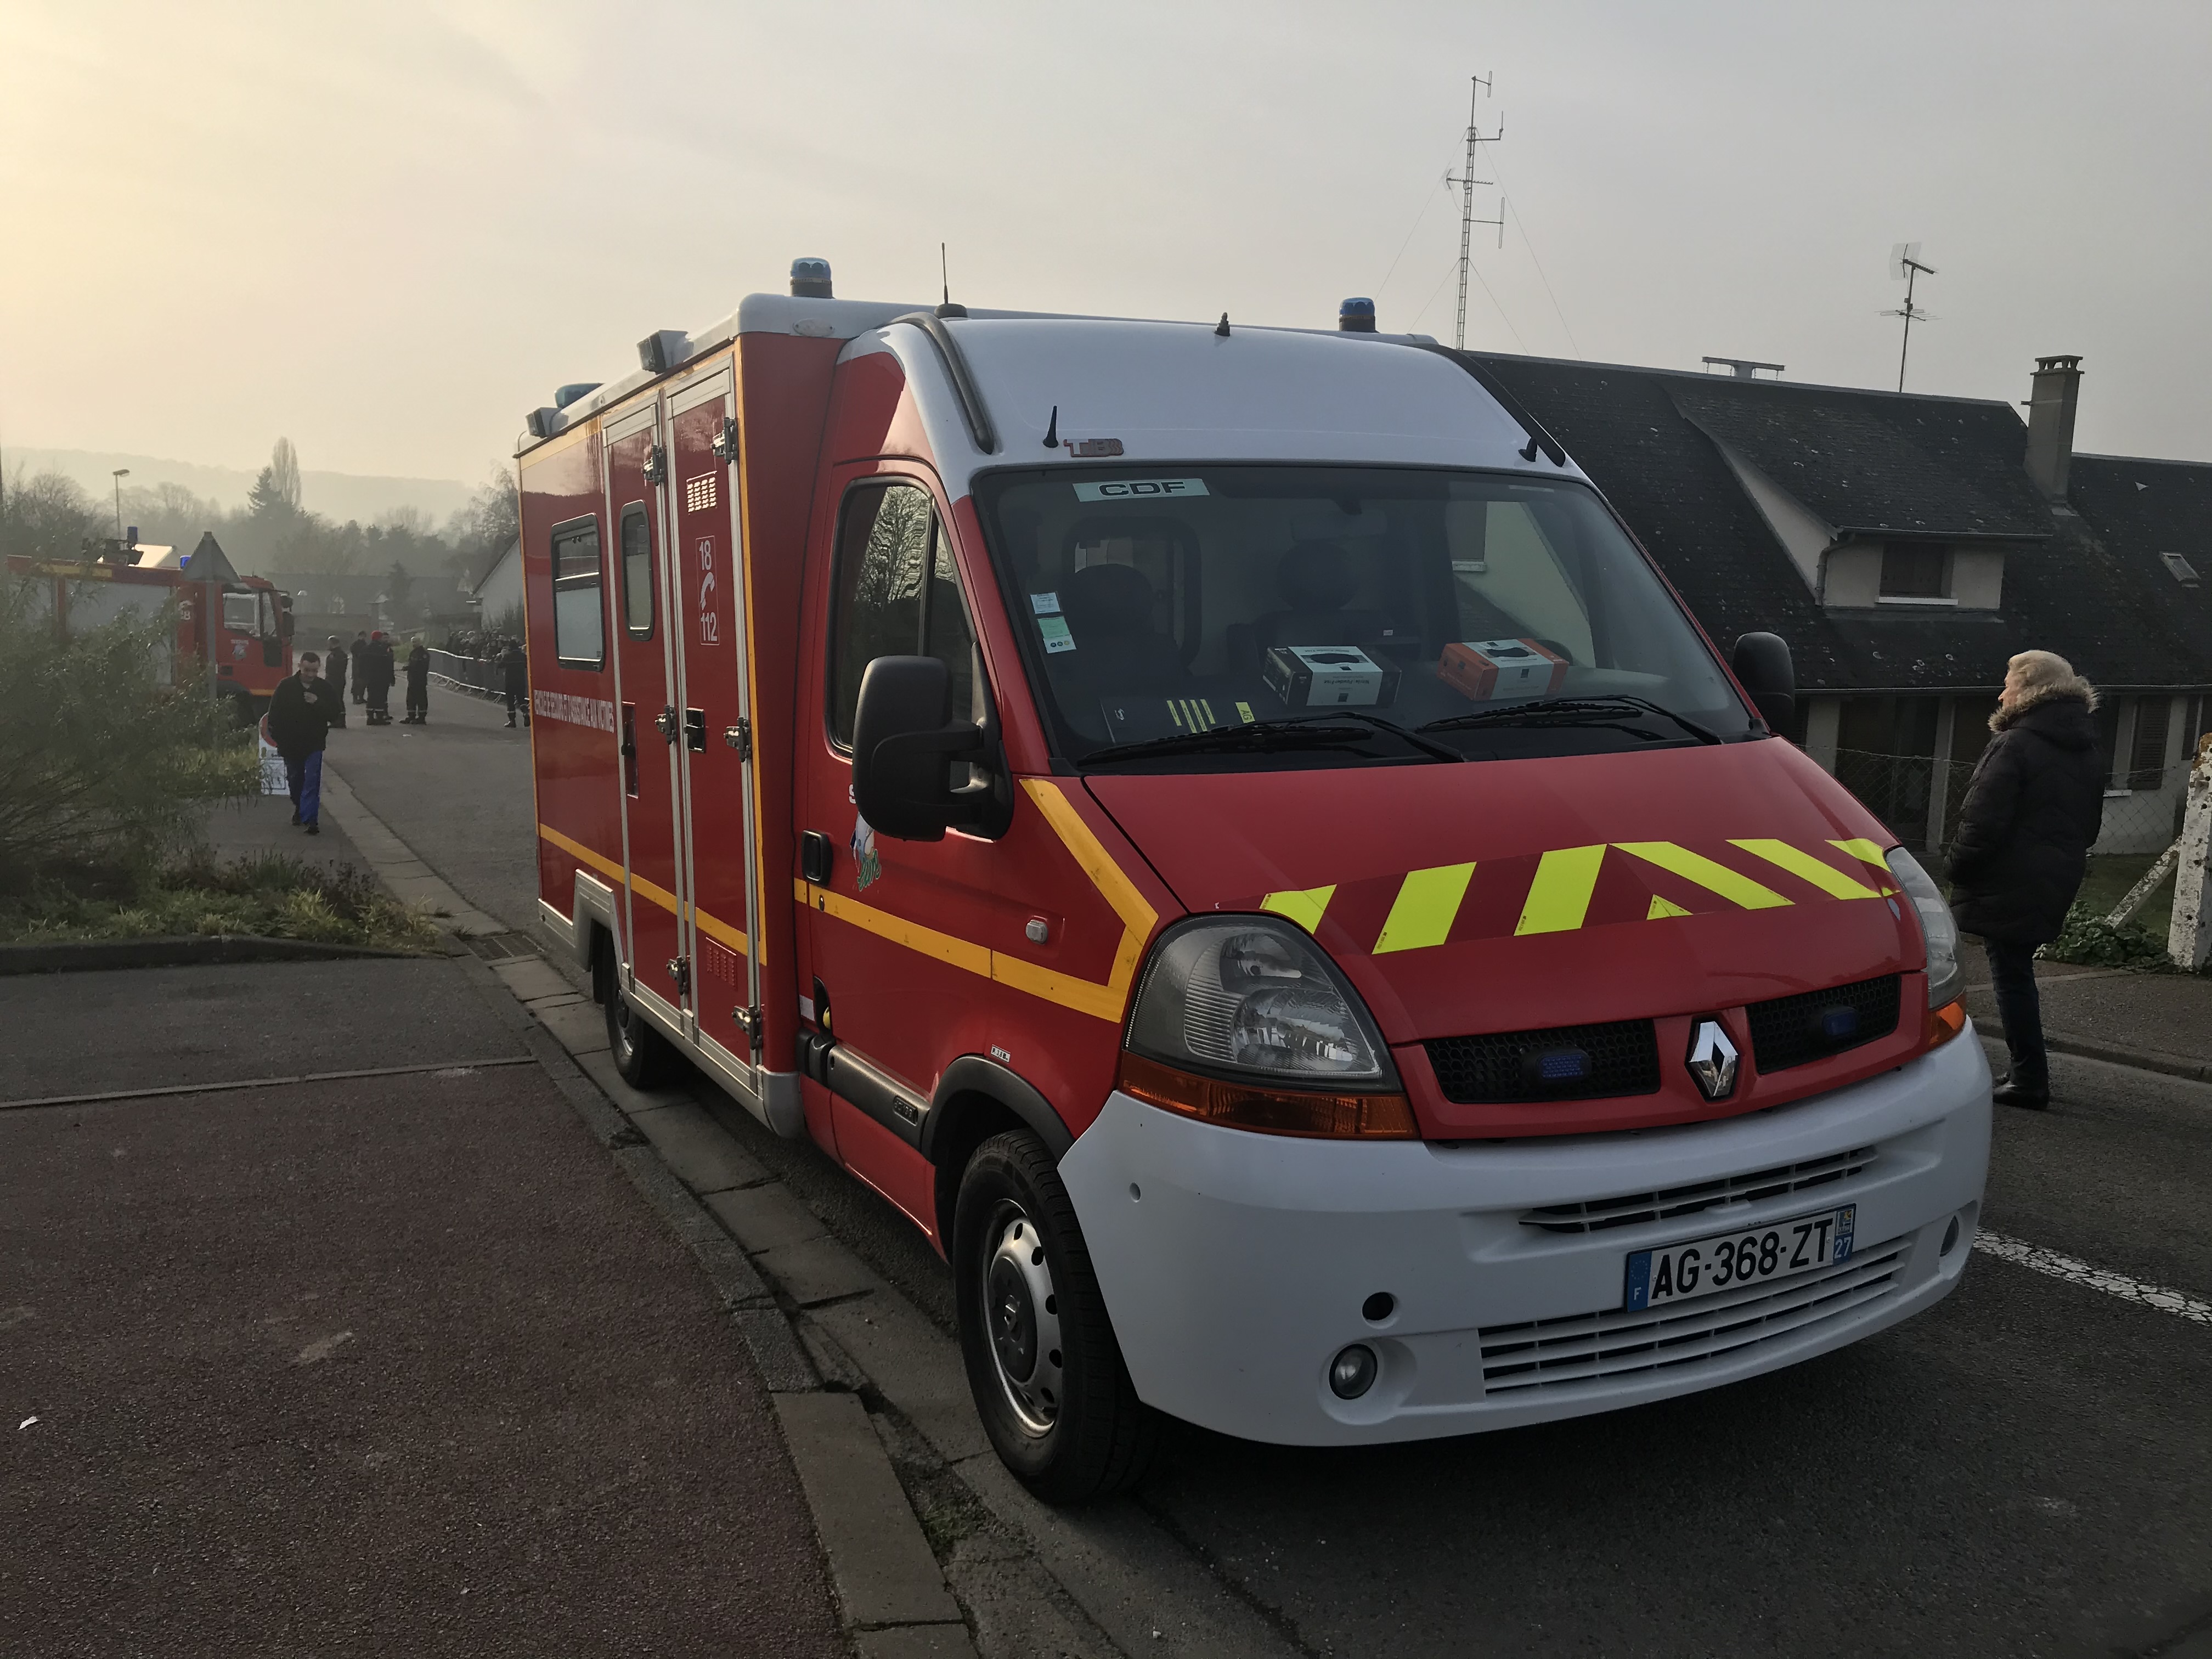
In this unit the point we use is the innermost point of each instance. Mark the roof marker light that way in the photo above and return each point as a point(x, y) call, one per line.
point(1356, 316)
point(809, 279)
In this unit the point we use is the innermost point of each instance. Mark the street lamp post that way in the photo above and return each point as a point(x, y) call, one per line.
point(121, 473)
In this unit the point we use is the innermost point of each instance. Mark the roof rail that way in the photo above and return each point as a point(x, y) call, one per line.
point(1538, 437)
point(964, 383)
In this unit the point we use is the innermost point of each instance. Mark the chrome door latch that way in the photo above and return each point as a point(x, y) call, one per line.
point(740, 737)
point(656, 464)
point(748, 1020)
point(726, 442)
point(665, 722)
point(679, 969)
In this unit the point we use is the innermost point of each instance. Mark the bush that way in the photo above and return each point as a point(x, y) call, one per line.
point(268, 896)
point(2090, 941)
point(100, 764)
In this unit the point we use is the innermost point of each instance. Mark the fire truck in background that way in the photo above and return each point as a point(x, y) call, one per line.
point(234, 632)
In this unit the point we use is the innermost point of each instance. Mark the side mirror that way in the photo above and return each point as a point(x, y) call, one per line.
point(1763, 668)
point(284, 618)
point(904, 742)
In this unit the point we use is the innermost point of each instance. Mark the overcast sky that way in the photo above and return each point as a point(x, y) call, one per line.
point(387, 231)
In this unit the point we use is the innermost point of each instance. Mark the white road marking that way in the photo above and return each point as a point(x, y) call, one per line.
point(2097, 1278)
point(315, 1352)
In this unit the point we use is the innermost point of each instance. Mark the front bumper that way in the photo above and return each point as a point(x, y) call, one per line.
point(1235, 1265)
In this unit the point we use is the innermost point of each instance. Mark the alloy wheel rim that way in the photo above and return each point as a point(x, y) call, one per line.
point(1021, 1316)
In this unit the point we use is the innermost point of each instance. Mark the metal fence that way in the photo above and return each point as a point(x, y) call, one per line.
point(478, 674)
point(1919, 798)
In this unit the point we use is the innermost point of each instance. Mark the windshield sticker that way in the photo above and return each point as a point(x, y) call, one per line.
point(1045, 605)
point(1056, 636)
point(1124, 490)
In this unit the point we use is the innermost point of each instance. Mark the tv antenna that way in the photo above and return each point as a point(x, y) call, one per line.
point(1904, 266)
point(1467, 181)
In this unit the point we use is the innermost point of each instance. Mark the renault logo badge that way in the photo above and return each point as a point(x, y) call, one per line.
point(1712, 1060)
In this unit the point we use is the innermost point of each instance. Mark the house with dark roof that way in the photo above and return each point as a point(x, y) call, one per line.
point(1906, 545)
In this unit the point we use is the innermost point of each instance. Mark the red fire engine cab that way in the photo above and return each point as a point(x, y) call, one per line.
point(234, 633)
point(1224, 828)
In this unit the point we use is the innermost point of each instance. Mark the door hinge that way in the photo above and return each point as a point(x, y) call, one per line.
point(726, 442)
point(665, 722)
point(679, 969)
point(740, 737)
point(656, 464)
point(748, 1020)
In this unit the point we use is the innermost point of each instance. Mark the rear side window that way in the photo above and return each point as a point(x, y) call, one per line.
point(896, 593)
point(579, 608)
point(637, 571)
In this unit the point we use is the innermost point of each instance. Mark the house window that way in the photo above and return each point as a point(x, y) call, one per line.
point(1912, 571)
point(2147, 767)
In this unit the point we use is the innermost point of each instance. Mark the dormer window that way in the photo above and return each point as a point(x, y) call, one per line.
point(1915, 572)
point(2181, 570)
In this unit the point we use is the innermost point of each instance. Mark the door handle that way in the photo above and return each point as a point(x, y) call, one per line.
point(695, 730)
point(665, 722)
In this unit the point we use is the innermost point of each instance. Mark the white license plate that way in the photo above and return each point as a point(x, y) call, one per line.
point(1749, 1257)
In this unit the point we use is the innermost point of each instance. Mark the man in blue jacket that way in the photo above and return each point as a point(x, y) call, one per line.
point(300, 714)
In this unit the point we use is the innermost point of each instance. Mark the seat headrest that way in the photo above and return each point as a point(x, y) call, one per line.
point(1106, 599)
point(1316, 576)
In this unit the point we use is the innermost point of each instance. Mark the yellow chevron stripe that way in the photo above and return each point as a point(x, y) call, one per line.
point(1714, 878)
point(1559, 898)
point(1803, 865)
point(1305, 906)
point(1871, 853)
point(1428, 901)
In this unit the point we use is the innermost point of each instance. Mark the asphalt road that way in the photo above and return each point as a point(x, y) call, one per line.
point(2027, 1469)
point(399, 1366)
point(456, 790)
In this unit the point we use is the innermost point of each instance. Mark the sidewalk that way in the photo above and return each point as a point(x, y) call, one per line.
point(263, 824)
point(2158, 1022)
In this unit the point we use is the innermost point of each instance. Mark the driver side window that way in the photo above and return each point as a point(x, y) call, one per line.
point(896, 593)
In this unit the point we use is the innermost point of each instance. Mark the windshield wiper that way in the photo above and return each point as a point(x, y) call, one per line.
point(1263, 737)
point(1603, 710)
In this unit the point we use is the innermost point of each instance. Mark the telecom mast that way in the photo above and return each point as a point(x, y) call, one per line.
point(1467, 181)
point(1905, 262)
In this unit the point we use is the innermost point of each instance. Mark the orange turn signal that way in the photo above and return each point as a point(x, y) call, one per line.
point(1268, 1111)
point(1946, 1022)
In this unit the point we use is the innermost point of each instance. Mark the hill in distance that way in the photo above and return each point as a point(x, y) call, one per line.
point(336, 495)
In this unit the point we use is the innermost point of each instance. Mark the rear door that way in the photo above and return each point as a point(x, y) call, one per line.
point(707, 630)
point(649, 720)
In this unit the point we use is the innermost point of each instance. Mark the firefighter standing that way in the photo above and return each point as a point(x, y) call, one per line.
point(359, 655)
point(334, 672)
point(418, 683)
point(515, 676)
point(376, 675)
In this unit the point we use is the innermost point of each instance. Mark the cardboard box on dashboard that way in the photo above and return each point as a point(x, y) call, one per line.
point(1483, 669)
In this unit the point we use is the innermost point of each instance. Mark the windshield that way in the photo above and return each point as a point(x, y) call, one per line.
point(1491, 616)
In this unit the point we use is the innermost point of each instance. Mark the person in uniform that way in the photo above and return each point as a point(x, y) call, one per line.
point(418, 682)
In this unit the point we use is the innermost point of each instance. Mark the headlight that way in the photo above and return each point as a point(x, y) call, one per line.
point(1243, 1021)
point(1945, 981)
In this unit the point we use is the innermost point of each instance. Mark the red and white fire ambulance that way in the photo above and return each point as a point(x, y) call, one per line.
point(1224, 828)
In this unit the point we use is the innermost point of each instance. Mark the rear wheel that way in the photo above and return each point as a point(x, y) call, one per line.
point(1046, 1372)
point(639, 1052)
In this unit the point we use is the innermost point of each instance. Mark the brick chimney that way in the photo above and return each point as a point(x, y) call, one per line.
point(2050, 423)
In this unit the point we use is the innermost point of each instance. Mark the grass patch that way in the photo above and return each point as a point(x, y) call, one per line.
point(265, 896)
point(2109, 877)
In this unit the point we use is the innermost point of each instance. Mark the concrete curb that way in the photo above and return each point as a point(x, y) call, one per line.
point(183, 951)
point(2142, 1060)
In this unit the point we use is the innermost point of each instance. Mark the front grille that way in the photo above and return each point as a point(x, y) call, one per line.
point(1566, 1062)
point(1595, 1215)
point(1549, 1353)
point(1797, 1030)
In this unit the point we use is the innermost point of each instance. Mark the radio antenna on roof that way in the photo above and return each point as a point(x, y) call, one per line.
point(1467, 181)
point(1904, 266)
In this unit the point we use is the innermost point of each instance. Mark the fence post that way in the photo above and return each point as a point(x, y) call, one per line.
point(2190, 941)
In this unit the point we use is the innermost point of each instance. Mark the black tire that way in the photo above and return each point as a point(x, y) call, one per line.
point(1024, 1280)
point(641, 1055)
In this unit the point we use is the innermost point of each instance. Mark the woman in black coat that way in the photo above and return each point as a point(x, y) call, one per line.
point(2032, 813)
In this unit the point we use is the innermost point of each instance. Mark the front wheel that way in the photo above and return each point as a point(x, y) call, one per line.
point(641, 1053)
point(1043, 1364)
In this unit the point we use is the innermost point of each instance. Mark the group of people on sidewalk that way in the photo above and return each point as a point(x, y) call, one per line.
point(375, 666)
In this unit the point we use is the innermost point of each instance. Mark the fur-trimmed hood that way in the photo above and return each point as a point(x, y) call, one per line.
point(2076, 688)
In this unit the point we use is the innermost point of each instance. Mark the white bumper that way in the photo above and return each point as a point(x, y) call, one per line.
point(1236, 1264)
